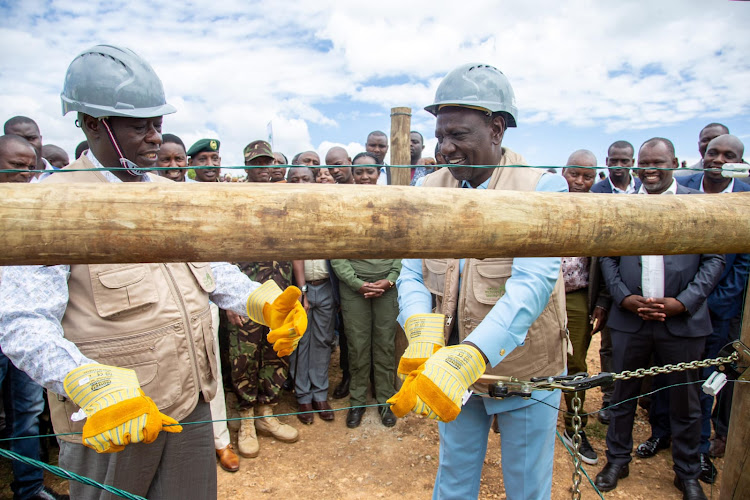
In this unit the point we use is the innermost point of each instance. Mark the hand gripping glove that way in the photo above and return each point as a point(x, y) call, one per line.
point(425, 335)
point(436, 388)
point(280, 311)
point(118, 412)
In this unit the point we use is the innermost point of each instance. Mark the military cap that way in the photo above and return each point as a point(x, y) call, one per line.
point(257, 149)
point(204, 145)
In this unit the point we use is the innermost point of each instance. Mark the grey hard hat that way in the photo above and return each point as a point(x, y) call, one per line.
point(477, 86)
point(107, 80)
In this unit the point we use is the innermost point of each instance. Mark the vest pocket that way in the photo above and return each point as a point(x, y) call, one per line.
point(203, 275)
point(153, 356)
point(122, 289)
point(433, 275)
point(205, 351)
point(488, 283)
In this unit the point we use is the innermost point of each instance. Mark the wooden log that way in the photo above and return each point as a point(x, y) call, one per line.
point(173, 222)
point(400, 152)
point(735, 481)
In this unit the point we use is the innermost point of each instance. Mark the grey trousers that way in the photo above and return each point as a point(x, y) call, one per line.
point(175, 466)
point(313, 355)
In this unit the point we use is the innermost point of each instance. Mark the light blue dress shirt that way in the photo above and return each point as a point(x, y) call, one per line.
point(527, 293)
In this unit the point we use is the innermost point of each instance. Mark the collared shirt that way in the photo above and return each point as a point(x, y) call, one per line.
point(33, 300)
point(728, 189)
point(382, 177)
point(652, 266)
point(316, 269)
point(48, 169)
point(628, 190)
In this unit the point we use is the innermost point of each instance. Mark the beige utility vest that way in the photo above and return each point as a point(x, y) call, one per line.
point(152, 318)
point(544, 351)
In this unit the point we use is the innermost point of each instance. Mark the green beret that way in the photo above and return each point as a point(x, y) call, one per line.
point(256, 149)
point(202, 145)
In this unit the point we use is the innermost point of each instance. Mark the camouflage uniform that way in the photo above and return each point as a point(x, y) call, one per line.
point(257, 372)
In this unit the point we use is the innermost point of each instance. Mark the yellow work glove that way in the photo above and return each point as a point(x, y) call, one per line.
point(280, 311)
point(117, 411)
point(436, 388)
point(425, 335)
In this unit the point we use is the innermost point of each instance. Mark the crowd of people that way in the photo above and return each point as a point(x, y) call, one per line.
point(461, 316)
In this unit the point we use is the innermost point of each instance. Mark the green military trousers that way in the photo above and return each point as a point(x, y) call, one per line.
point(370, 333)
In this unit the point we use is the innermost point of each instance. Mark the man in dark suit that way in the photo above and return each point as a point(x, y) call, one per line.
point(659, 308)
point(722, 149)
point(620, 159)
point(725, 309)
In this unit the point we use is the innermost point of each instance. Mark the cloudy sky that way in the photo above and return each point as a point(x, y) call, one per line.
point(585, 73)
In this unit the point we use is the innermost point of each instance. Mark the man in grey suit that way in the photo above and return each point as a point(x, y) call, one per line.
point(659, 308)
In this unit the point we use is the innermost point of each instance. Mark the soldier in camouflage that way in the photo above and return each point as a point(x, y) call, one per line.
point(257, 371)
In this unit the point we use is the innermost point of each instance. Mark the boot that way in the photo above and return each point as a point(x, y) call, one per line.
point(270, 425)
point(247, 441)
point(232, 413)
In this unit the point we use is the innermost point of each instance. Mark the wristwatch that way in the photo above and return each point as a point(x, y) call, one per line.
point(392, 283)
point(304, 288)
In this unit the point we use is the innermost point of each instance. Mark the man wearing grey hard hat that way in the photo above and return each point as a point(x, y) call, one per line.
point(126, 350)
point(507, 316)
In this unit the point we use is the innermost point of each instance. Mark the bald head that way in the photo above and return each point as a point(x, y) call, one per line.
point(339, 164)
point(10, 141)
point(16, 153)
point(723, 149)
point(728, 141)
point(55, 155)
point(338, 156)
point(582, 158)
point(580, 180)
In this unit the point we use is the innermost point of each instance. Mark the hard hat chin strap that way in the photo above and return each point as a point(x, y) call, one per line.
point(128, 165)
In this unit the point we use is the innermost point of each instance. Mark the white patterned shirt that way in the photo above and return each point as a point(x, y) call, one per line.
point(33, 300)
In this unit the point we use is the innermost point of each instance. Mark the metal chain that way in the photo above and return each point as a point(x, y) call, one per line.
point(679, 367)
point(626, 375)
point(576, 403)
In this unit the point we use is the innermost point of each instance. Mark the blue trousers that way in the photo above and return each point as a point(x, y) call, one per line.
point(26, 404)
point(309, 362)
point(527, 439)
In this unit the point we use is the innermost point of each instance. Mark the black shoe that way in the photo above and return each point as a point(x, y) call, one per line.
point(690, 488)
point(606, 480)
point(604, 415)
point(387, 417)
point(342, 390)
point(652, 446)
point(288, 384)
point(588, 455)
point(354, 417)
point(708, 470)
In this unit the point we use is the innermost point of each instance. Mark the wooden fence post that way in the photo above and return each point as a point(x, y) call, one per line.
point(400, 155)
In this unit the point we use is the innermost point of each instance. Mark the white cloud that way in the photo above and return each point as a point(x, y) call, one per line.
point(229, 69)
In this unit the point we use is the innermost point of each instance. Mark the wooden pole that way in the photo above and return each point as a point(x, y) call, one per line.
point(400, 155)
point(735, 482)
point(400, 152)
point(178, 222)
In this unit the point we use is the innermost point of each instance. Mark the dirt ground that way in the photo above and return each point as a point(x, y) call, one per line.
point(331, 461)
